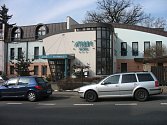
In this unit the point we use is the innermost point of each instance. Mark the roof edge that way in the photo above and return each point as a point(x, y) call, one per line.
point(141, 28)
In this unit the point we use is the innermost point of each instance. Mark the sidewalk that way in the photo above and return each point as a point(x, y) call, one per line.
point(164, 89)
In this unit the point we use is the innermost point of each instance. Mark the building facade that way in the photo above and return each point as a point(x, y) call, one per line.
point(63, 49)
point(1, 49)
point(132, 43)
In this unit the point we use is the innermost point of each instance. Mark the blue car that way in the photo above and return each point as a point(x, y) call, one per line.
point(30, 87)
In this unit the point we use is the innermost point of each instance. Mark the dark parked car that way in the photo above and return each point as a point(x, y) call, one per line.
point(30, 87)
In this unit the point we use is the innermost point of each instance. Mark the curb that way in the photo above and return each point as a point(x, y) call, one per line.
point(65, 91)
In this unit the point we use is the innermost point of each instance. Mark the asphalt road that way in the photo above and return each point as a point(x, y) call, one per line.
point(66, 108)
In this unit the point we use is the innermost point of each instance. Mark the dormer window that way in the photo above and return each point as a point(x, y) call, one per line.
point(41, 31)
point(17, 34)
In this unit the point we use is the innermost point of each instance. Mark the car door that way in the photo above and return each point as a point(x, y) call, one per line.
point(8, 89)
point(128, 83)
point(109, 87)
point(22, 86)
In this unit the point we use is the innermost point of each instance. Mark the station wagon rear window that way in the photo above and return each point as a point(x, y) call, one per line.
point(145, 77)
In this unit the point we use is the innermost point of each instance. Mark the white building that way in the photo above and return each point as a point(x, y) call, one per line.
point(135, 40)
point(60, 49)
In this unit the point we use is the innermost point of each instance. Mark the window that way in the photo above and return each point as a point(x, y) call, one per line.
point(146, 48)
point(43, 51)
point(35, 70)
point(103, 51)
point(11, 70)
point(42, 31)
point(128, 78)
point(145, 77)
point(17, 33)
point(146, 45)
point(112, 80)
point(124, 67)
point(36, 52)
point(159, 43)
point(86, 29)
point(12, 53)
point(23, 81)
point(44, 70)
point(20, 53)
point(134, 48)
point(123, 49)
point(12, 81)
point(159, 48)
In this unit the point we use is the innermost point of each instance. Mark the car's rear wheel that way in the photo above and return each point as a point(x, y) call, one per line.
point(32, 96)
point(91, 96)
point(141, 95)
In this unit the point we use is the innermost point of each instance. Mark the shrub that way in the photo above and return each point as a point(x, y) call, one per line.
point(73, 83)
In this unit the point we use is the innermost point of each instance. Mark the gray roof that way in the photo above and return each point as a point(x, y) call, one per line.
point(28, 33)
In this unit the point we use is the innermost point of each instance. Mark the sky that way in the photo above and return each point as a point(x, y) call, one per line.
point(32, 12)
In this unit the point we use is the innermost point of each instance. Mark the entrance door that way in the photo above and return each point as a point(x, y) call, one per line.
point(123, 67)
point(60, 68)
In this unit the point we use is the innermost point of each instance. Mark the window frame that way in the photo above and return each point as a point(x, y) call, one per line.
point(125, 75)
point(106, 81)
point(104, 47)
point(12, 53)
point(41, 31)
point(159, 48)
point(17, 33)
point(123, 52)
point(139, 78)
point(36, 70)
point(19, 53)
point(135, 52)
point(12, 84)
point(21, 83)
point(44, 70)
point(146, 42)
point(36, 52)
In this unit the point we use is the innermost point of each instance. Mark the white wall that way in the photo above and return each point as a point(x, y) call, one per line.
point(23, 45)
point(65, 44)
point(70, 22)
point(129, 36)
point(31, 46)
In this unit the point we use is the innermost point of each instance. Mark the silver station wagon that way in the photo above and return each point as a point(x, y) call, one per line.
point(139, 85)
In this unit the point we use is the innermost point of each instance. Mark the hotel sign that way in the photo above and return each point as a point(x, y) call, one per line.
point(83, 45)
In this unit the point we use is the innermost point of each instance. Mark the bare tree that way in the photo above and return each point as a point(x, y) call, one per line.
point(153, 22)
point(155, 51)
point(116, 11)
